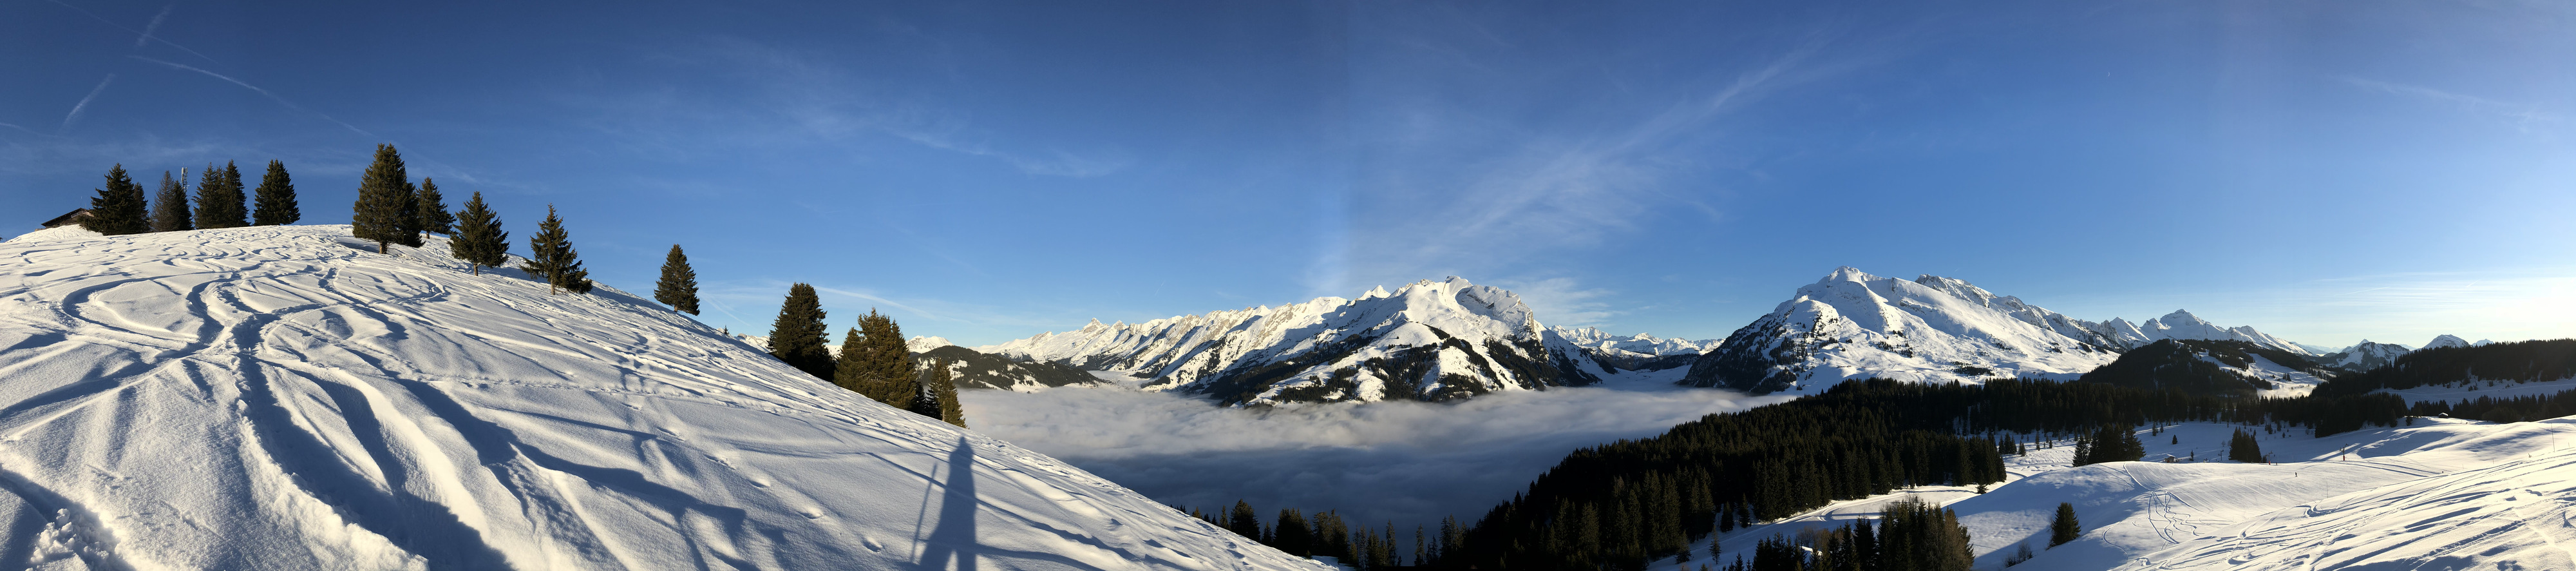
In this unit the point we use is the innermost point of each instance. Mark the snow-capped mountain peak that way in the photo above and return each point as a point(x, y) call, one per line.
point(1428, 340)
point(2446, 341)
point(1853, 324)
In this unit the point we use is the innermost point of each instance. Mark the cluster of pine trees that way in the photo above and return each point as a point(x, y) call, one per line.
point(1910, 535)
point(2111, 443)
point(391, 210)
point(2243, 447)
point(873, 361)
point(1327, 535)
point(121, 207)
point(2508, 409)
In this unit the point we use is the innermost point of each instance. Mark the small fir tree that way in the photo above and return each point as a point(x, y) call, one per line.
point(679, 285)
point(551, 257)
point(479, 239)
point(2243, 447)
point(275, 204)
point(384, 203)
point(844, 371)
point(432, 211)
point(119, 208)
point(2062, 528)
point(219, 198)
point(170, 205)
point(797, 337)
point(938, 396)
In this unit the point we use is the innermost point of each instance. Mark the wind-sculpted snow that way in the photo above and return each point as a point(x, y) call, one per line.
point(1430, 341)
point(284, 398)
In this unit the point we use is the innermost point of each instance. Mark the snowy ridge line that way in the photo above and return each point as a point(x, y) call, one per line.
point(1853, 325)
point(283, 398)
point(1428, 340)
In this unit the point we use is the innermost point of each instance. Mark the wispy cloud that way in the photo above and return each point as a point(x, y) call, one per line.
point(1560, 301)
point(145, 36)
point(83, 105)
point(2524, 115)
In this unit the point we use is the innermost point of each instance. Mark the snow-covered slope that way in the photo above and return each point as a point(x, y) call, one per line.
point(1932, 329)
point(1640, 352)
point(1856, 325)
point(2364, 356)
point(1426, 341)
point(284, 398)
point(2194, 366)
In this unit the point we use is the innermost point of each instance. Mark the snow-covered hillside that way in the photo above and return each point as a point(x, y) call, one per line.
point(1428, 341)
point(284, 398)
point(2441, 494)
point(1932, 329)
point(2364, 356)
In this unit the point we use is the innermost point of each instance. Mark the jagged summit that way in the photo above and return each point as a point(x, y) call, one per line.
point(1428, 340)
point(282, 397)
point(1852, 324)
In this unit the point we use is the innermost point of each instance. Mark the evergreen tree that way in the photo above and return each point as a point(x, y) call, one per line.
point(679, 285)
point(219, 198)
point(882, 368)
point(551, 257)
point(170, 206)
point(1243, 520)
point(844, 365)
point(2062, 528)
point(384, 209)
point(798, 336)
point(479, 239)
point(2243, 447)
point(941, 392)
point(432, 210)
point(410, 221)
point(119, 208)
point(275, 205)
point(925, 401)
point(1292, 534)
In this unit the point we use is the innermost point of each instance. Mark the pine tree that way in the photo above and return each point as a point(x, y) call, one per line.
point(119, 208)
point(941, 392)
point(275, 205)
point(479, 239)
point(551, 257)
point(844, 365)
point(679, 285)
point(432, 211)
point(1243, 520)
point(2062, 528)
point(882, 366)
point(219, 198)
point(2243, 447)
point(170, 206)
point(798, 336)
point(409, 222)
point(384, 203)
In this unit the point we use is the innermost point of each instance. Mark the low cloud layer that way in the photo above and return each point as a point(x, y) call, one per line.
point(1405, 462)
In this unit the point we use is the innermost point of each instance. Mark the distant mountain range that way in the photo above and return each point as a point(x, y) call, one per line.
point(1451, 339)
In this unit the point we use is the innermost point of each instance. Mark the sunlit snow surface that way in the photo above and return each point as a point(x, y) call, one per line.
point(285, 398)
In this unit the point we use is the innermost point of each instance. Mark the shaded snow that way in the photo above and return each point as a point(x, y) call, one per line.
point(284, 398)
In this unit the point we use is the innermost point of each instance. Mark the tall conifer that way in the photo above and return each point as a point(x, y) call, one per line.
point(853, 345)
point(119, 208)
point(551, 257)
point(384, 202)
point(170, 206)
point(679, 285)
point(798, 336)
point(219, 198)
point(942, 389)
point(479, 239)
point(2062, 528)
point(882, 368)
point(275, 204)
point(432, 211)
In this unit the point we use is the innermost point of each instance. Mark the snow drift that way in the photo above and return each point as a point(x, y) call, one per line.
point(284, 398)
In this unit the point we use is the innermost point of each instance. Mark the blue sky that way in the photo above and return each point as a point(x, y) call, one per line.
point(2325, 171)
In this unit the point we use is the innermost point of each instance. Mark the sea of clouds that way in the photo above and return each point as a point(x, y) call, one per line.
point(1408, 463)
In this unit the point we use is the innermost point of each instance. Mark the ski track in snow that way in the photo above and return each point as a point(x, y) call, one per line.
point(285, 398)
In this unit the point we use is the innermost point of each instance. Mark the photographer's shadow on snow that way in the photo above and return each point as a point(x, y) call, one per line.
point(954, 539)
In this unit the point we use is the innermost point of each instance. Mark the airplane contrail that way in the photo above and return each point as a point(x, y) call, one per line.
point(95, 16)
point(84, 102)
point(271, 96)
point(146, 36)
